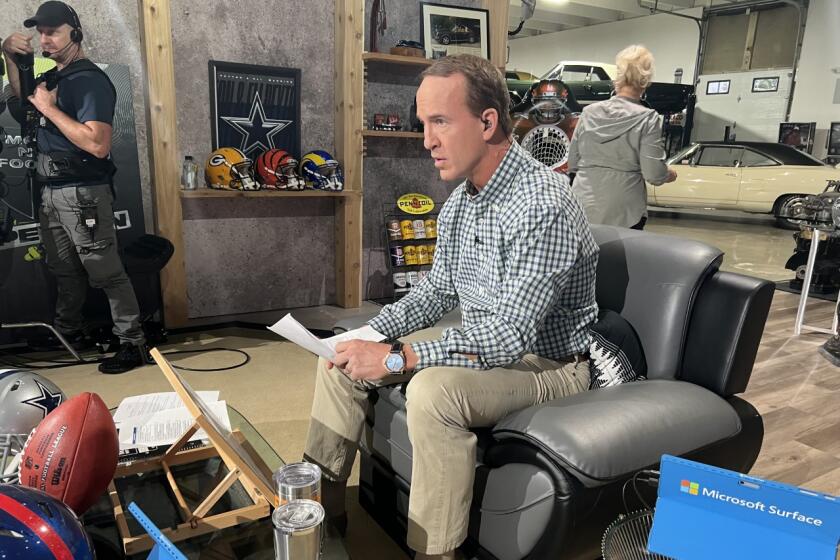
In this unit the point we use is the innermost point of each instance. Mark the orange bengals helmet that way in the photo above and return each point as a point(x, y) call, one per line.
point(277, 170)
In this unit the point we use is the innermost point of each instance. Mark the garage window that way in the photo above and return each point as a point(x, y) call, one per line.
point(762, 38)
point(719, 156)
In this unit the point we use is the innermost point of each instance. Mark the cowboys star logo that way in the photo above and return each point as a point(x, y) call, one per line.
point(257, 131)
point(47, 402)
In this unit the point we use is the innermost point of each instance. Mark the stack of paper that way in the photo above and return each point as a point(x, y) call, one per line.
point(289, 328)
point(160, 419)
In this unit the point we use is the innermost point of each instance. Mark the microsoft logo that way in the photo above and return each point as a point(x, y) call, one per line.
point(689, 487)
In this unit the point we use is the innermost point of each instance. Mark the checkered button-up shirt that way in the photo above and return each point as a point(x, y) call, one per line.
point(519, 258)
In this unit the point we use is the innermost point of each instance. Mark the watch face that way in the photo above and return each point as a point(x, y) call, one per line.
point(394, 362)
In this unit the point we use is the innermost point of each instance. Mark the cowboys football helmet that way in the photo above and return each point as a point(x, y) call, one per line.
point(36, 526)
point(277, 170)
point(321, 171)
point(25, 399)
point(229, 169)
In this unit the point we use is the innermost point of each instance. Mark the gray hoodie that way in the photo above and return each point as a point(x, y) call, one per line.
point(616, 147)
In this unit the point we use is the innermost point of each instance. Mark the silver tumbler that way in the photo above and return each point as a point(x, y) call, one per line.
point(298, 530)
point(298, 481)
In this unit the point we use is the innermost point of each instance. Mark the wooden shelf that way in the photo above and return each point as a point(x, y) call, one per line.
point(213, 193)
point(393, 68)
point(395, 60)
point(391, 134)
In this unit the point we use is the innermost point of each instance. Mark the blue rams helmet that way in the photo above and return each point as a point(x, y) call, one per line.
point(35, 526)
point(321, 171)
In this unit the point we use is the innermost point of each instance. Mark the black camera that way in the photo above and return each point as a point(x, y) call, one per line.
point(26, 72)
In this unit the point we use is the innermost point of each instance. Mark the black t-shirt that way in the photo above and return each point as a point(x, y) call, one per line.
point(84, 96)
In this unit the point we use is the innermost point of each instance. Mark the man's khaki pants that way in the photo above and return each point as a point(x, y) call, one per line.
point(442, 404)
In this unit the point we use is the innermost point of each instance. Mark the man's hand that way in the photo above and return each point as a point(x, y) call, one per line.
point(362, 360)
point(43, 99)
point(17, 43)
point(672, 175)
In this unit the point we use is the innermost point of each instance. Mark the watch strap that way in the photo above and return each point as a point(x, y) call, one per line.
point(397, 348)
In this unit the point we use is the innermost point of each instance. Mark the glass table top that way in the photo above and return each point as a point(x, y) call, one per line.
point(252, 540)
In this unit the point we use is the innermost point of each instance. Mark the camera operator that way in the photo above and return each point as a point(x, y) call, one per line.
point(74, 172)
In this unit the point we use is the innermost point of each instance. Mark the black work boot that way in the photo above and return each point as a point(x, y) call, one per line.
point(831, 350)
point(128, 357)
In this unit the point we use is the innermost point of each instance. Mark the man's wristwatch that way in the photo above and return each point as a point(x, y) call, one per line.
point(395, 360)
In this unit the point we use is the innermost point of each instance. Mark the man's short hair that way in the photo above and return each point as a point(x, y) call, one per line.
point(486, 87)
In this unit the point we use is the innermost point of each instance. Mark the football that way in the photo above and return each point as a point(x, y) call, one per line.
point(72, 454)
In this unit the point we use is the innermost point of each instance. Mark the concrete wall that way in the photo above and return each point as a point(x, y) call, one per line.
point(816, 94)
point(256, 255)
point(672, 40)
point(111, 35)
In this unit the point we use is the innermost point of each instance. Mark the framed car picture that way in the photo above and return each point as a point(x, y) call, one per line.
point(448, 30)
point(717, 87)
point(834, 140)
point(254, 108)
point(760, 85)
point(797, 134)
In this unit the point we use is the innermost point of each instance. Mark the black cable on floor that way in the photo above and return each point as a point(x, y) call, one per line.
point(237, 350)
point(54, 364)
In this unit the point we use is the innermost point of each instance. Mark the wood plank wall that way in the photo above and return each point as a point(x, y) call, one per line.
point(349, 110)
point(156, 41)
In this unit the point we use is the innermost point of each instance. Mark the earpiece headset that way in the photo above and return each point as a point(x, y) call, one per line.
point(486, 123)
point(76, 34)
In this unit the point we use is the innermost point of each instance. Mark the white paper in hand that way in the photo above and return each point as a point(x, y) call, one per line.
point(290, 329)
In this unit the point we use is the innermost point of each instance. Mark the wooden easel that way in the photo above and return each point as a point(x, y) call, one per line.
point(243, 463)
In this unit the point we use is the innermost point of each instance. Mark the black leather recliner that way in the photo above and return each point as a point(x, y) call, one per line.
point(549, 478)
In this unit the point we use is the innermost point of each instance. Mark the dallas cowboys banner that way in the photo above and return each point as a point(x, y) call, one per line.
point(255, 108)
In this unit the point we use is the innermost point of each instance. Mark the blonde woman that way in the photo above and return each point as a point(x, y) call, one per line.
point(617, 146)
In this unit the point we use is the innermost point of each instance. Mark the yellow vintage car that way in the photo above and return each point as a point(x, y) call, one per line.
point(749, 176)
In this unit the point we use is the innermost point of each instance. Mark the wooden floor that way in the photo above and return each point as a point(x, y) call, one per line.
point(797, 392)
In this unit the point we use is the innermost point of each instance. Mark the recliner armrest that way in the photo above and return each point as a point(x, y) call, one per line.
point(726, 325)
point(602, 435)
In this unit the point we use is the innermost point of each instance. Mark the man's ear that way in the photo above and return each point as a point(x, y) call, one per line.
point(490, 119)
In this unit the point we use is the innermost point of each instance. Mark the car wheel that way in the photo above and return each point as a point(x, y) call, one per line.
point(783, 208)
point(445, 40)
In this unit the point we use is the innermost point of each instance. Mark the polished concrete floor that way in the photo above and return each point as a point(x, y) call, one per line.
point(751, 242)
point(795, 390)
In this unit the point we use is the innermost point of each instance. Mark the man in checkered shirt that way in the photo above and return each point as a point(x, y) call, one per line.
point(515, 251)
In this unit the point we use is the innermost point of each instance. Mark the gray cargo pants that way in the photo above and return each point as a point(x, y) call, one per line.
point(77, 255)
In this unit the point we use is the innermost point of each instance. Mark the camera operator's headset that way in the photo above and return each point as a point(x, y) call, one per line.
point(76, 34)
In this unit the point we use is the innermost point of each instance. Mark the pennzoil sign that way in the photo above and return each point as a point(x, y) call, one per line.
point(415, 203)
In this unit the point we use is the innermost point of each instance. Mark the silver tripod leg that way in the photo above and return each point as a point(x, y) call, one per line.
point(816, 237)
point(52, 329)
